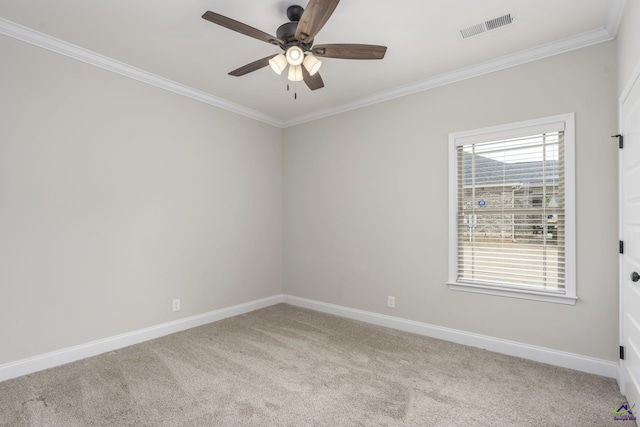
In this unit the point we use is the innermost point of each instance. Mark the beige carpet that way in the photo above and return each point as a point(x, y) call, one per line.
point(288, 366)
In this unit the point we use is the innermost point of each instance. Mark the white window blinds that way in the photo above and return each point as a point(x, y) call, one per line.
point(510, 215)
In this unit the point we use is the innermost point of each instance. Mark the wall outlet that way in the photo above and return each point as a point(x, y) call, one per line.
point(176, 305)
point(391, 302)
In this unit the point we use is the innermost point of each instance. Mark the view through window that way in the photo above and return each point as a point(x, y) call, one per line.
point(511, 210)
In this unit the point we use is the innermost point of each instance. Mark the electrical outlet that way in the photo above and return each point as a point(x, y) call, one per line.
point(391, 302)
point(176, 305)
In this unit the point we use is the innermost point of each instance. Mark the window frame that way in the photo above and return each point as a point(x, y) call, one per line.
point(512, 130)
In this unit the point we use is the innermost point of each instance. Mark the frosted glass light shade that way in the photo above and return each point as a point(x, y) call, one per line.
point(312, 64)
point(278, 63)
point(295, 55)
point(295, 73)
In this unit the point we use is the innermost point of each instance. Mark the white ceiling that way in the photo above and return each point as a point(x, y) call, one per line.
point(169, 39)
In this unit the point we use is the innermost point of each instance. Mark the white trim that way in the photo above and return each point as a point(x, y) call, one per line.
point(514, 130)
point(635, 77)
point(512, 293)
point(53, 44)
point(62, 47)
point(621, 328)
point(616, 9)
point(633, 80)
point(540, 52)
point(512, 348)
point(94, 348)
point(504, 131)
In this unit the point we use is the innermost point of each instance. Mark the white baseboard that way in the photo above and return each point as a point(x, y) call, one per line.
point(512, 348)
point(540, 354)
point(94, 348)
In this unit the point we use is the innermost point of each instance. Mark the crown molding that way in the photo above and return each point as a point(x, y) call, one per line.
point(557, 47)
point(616, 10)
point(61, 47)
point(539, 52)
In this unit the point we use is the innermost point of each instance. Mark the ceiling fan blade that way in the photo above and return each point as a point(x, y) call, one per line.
point(241, 28)
point(349, 51)
point(315, 15)
point(255, 65)
point(314, 82)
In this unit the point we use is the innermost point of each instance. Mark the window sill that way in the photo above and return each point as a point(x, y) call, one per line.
point(513, 293)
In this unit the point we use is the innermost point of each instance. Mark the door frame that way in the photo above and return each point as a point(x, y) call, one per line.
point(634, 79)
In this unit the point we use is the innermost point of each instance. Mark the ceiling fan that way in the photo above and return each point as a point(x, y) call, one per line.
point(296, 38)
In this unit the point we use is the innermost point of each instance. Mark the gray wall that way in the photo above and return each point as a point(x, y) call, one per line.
point(116, 197)
point(366, 203)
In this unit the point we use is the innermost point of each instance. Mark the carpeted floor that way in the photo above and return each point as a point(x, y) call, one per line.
point(288, 366)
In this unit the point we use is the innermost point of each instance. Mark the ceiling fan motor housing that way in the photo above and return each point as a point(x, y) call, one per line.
point(286, 32)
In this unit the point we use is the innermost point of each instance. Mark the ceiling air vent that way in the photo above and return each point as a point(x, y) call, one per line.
point(485, 26)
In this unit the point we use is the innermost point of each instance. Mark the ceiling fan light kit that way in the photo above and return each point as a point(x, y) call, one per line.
point(295, 73)
point(296, 38)
point(295, 55)
point(278, 63)
point(312, 64)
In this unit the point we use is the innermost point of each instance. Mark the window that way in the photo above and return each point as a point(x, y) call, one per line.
point(511, 210)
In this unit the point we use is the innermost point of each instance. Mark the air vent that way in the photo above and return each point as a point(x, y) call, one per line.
point(501, 21)
point(473, 30)
point(485, 26)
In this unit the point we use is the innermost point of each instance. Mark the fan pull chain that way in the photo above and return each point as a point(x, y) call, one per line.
point(295, 89)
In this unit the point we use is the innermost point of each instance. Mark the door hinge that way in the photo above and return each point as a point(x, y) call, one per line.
point(620, 140)
point(621, 246)
point(621, 353)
